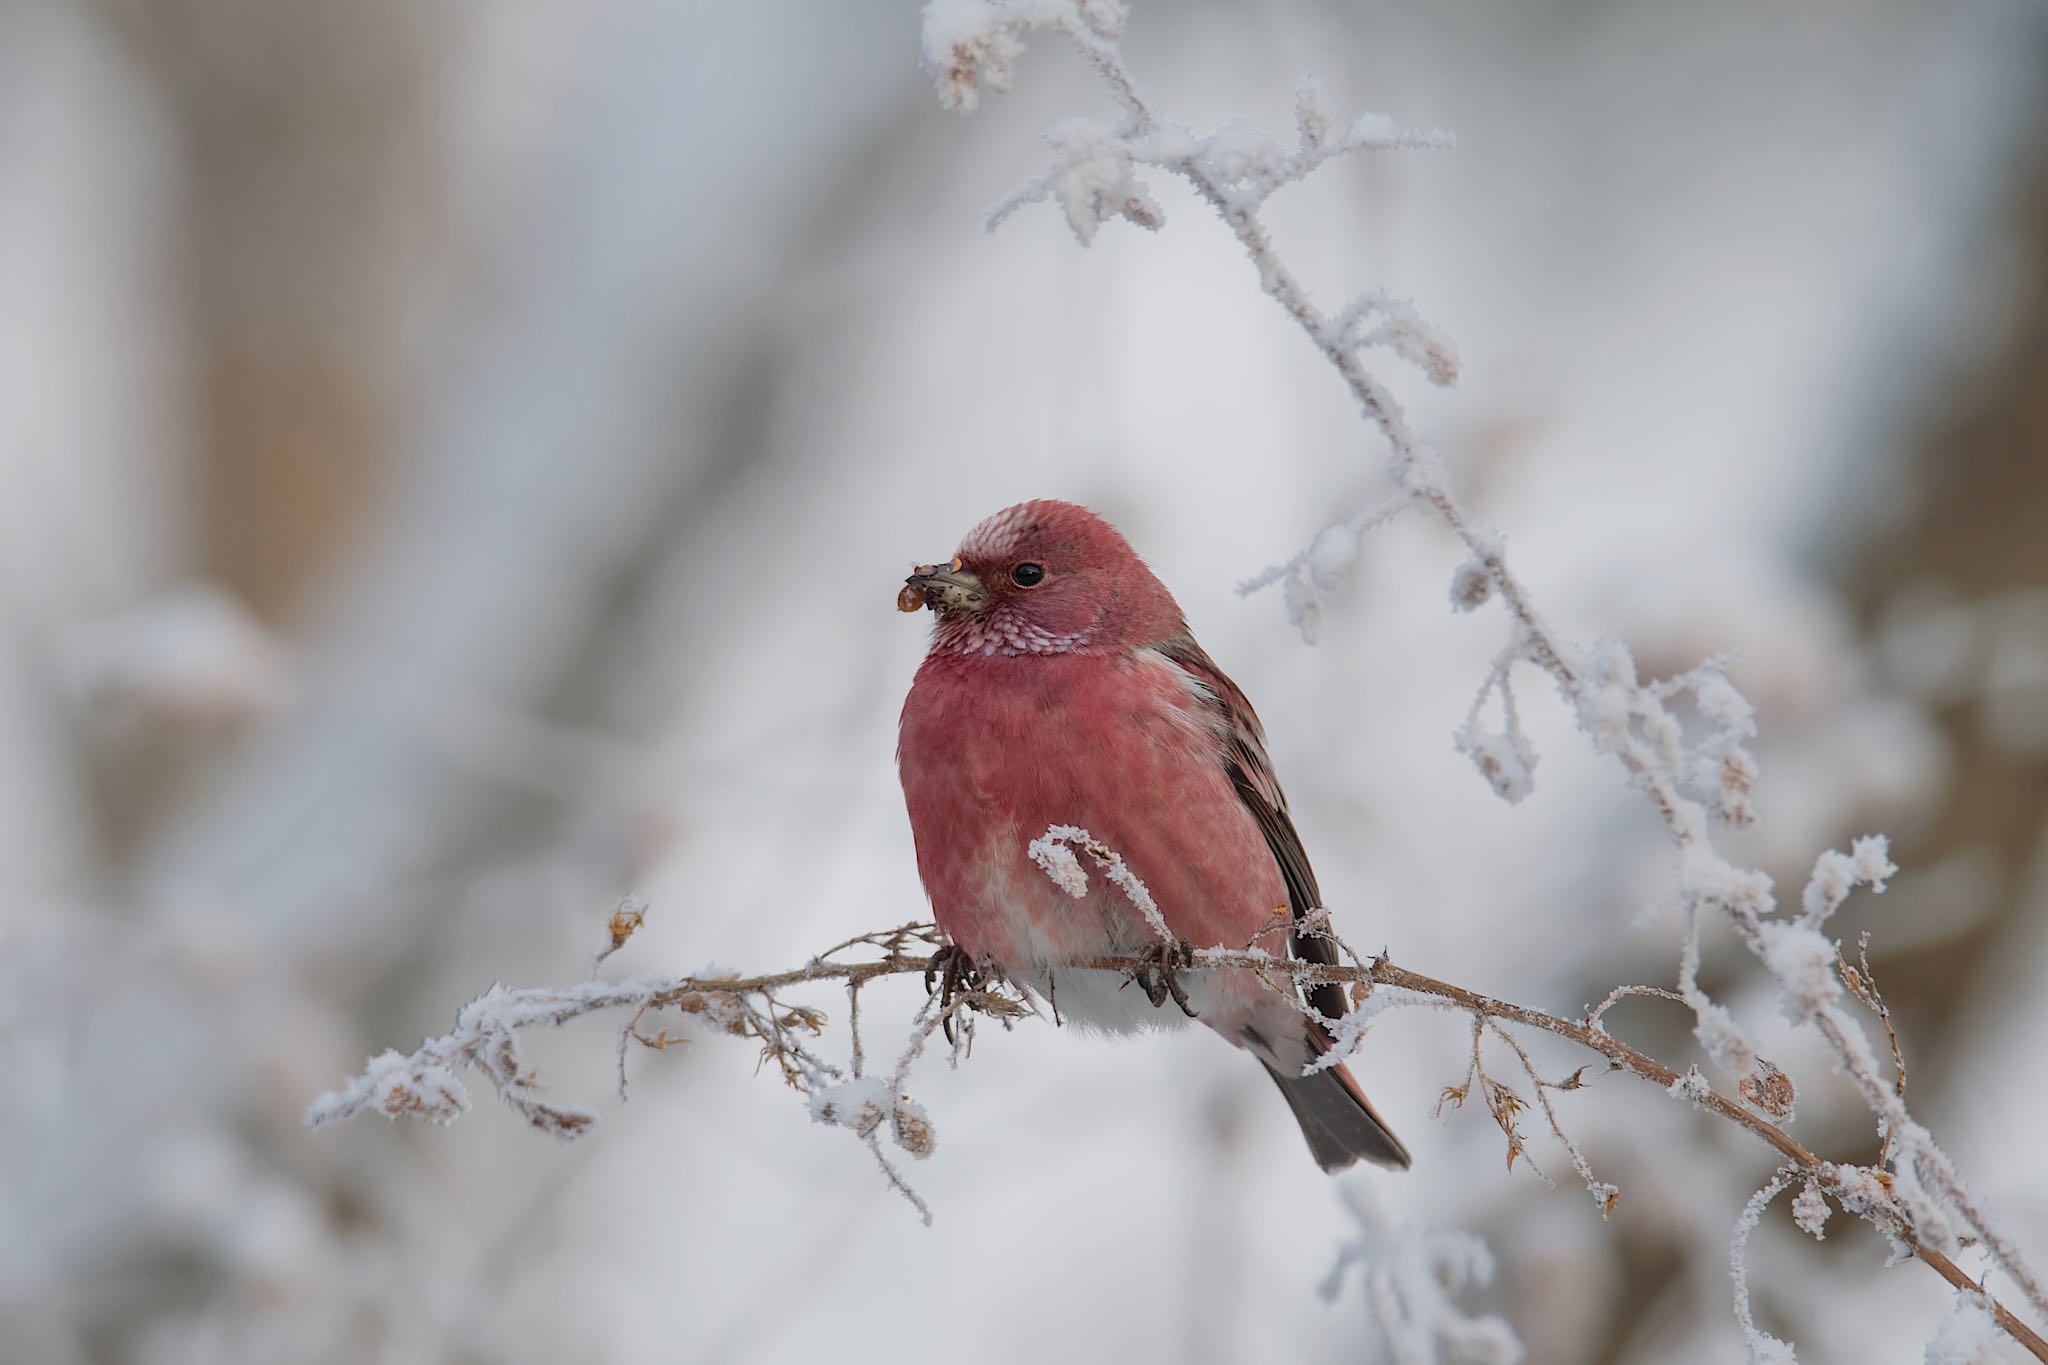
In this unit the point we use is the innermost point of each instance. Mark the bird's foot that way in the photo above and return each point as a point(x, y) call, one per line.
point(1159, 977)
point(951, 976)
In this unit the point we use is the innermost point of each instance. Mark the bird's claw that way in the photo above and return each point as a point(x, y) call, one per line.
point(950, 976)
point(1159, 977)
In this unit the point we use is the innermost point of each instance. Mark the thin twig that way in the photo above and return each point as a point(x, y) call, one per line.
point(1620, 993)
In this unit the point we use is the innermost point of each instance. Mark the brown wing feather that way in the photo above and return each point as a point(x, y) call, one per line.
point(1251, 773)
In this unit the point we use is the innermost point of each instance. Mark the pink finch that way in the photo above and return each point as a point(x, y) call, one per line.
point(1063, 688)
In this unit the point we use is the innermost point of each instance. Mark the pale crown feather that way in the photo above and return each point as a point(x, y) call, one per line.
point(997, 533)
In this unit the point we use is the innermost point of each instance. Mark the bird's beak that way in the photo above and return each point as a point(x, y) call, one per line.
point(943, 588)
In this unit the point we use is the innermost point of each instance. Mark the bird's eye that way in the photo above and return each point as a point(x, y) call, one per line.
point(1028, 575)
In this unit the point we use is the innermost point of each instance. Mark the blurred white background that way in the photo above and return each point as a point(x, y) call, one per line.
point(456, 462)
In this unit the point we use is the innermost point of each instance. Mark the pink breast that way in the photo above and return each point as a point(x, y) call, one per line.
point(995, 750)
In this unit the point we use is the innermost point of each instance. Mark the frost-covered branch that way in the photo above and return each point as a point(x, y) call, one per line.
point(427, 1082)
point(1692, 782)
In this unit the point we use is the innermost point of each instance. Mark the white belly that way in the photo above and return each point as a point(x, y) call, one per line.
point(1049, 927)
point(1110, 1002)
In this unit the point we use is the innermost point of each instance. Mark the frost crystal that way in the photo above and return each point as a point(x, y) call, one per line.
point(1401, 329)
point(1762, 1347)
point(1803, 960)
point(1304, 605)
point(1859, 1189)
point(1690, 1086)
point(1834, 877)
point(1313, 114)
point(1607, 697)
point(1872, 856)
point(1105, 17)
point(1094, 179)
point(394, 1084)
point(1835, 874)
point(1709, 879)
point(970, 41)
point(1765, 1349)
point(1723, 706)
point(1736, 781)
point(865, 1103)
point(1471, 585)
point(1425, 347)
point(857, 1104)
point(1054, 851)
point(1347, 1033)
point(1930, 1218)
point(1378, 131)
point(1060, 864)
point(1240, 155)
point(1503, 762)
point(1810, 1211)
point(965, 42)
point(1967, 1336)
point(1332, 554)
point(1723, 1038)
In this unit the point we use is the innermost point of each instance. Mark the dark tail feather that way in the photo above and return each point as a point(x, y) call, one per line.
point(1340, 1124)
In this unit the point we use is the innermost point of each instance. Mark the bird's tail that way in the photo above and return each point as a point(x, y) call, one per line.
point(1339, 1122)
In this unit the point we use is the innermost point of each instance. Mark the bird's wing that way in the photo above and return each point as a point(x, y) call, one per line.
point(1251, 773)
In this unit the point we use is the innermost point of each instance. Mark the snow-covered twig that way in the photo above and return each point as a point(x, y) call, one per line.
point(1054, 852)
point(427, 1083)
point(1764, 1349)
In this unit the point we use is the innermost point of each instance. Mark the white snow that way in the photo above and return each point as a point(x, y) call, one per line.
point(1803, 960)
point(1060, 864)
point(1810, 1211)
point(1471, 585)
point(1967, 1336)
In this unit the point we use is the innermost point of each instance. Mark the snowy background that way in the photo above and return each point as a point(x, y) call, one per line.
point(456, 464)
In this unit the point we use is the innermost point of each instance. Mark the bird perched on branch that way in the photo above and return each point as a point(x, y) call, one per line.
point(1063, 688)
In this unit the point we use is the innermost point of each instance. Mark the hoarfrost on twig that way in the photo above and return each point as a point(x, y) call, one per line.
point(1763, 1348)
point(1054, 851)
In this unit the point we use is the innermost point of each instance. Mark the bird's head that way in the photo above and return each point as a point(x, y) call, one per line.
point(1042, 577)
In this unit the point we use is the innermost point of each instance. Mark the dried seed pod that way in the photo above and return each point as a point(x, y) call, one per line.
point(1768, 1091)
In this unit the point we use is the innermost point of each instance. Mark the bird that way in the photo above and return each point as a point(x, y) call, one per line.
point(1062, 687)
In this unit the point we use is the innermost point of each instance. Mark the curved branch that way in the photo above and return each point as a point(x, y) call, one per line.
point(421, 1084)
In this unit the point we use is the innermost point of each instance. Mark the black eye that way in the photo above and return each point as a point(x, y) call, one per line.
point(1028, 575)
